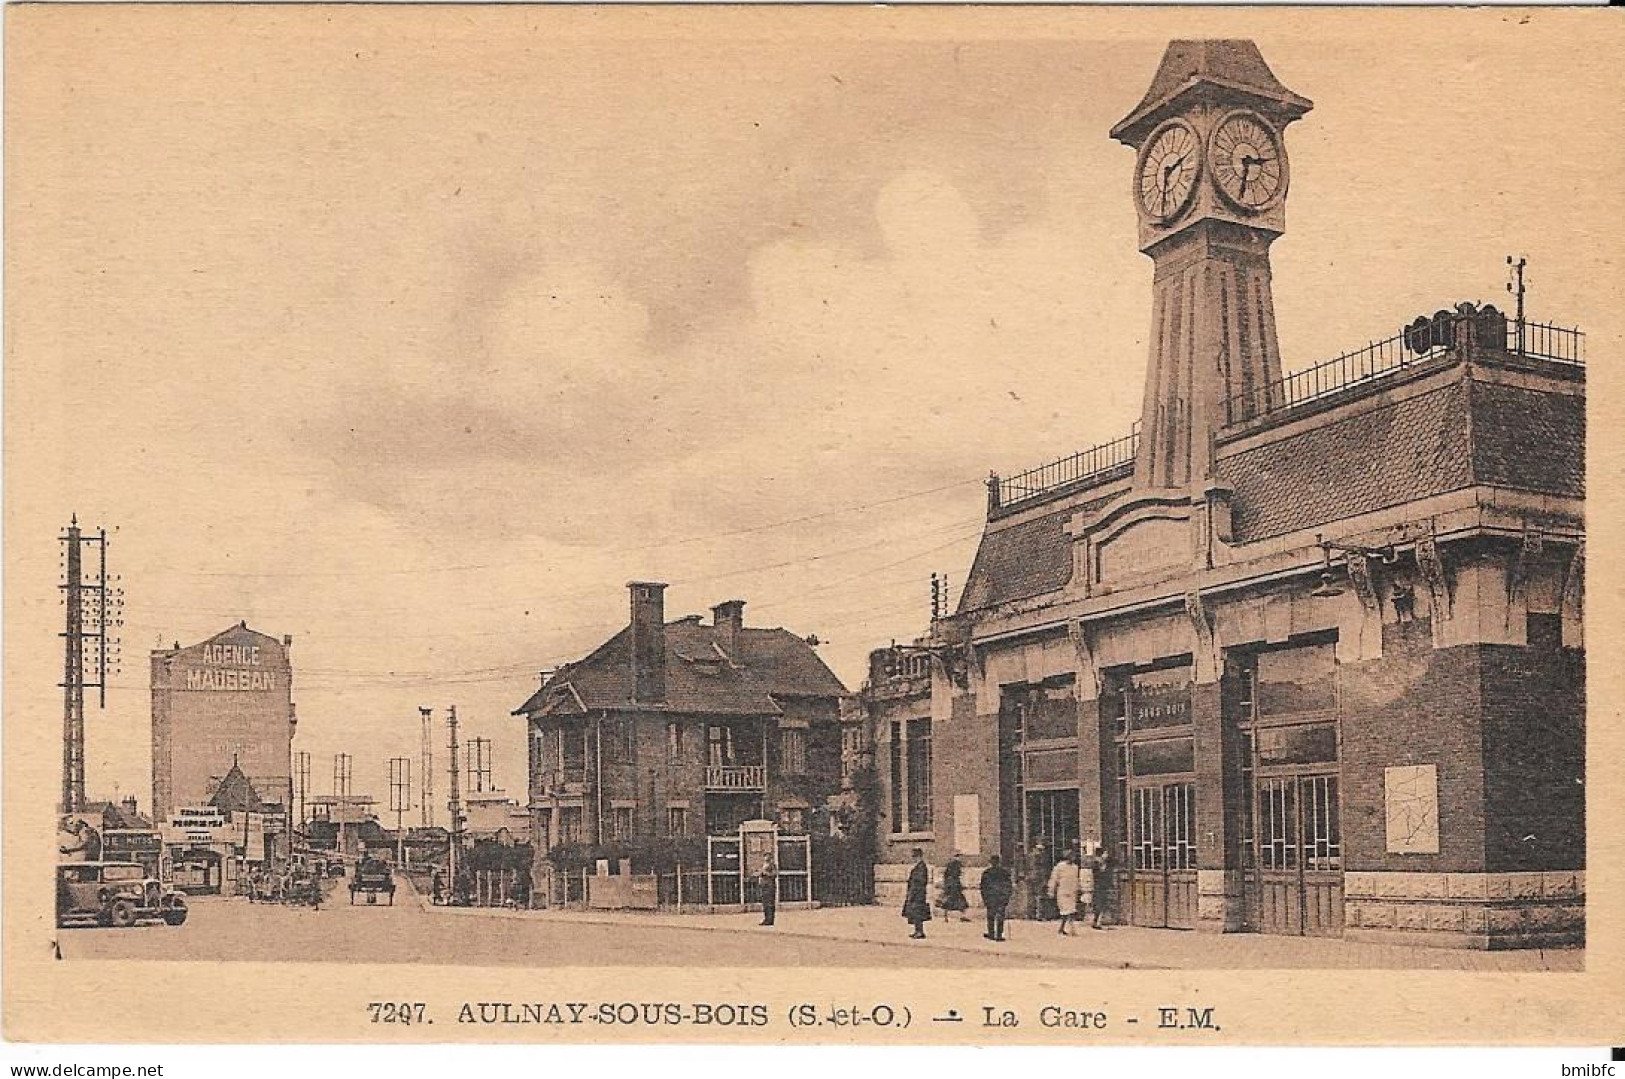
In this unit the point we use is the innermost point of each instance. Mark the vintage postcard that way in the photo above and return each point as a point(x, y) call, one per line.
point(794, 525)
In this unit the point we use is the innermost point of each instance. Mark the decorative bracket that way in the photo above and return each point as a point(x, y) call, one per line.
point(1207, 658)
point(1360, 577)
point(1083, 642)
point(1529, 549)
point(1430, 562)
point(1574, 577)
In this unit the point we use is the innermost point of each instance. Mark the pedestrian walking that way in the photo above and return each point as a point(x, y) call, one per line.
point(767, 879)
point(1090, 892)
point(996, 890)
point(437, 888)
point(917, 900)
point(1063, 890)
point(953, 901)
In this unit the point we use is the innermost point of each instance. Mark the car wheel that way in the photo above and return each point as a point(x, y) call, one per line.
point(175, 916)
point(122, 914)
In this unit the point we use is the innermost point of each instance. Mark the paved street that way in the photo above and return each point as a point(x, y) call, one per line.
point(413, 932)
point(405, 933)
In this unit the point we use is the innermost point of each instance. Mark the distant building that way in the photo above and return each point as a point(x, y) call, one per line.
point(489, 814)
point(674, 729)
point(226, 699)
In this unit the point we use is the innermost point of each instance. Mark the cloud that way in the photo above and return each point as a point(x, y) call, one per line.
point(851, 371)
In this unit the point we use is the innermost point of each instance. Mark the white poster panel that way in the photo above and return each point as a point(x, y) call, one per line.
point(1411, 798)
point(967, 824)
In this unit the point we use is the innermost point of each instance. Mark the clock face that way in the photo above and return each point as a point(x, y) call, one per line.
point(1169, 164)
point(1249, 166)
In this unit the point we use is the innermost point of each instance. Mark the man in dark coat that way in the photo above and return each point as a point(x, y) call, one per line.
point(917, 900)
point(996, 891)
point(767, 880)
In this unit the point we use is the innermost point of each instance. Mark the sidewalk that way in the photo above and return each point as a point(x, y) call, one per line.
point(1125, 947)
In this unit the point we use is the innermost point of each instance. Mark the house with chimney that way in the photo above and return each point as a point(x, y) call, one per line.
point(683, 729)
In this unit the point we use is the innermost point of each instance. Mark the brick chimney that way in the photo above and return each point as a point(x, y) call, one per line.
point(648, 627)
point(729, 618)
point(129, 804)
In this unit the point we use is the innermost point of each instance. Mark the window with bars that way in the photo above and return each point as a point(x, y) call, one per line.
point(1323, 827)
point(1277, 823)
point(919, 775)
point(676, 820)
point(1181, 818)
point(674, 743)
point(1162, 827)
point(1146, 838)
point(570, 825)
point(793, 751)
point(620, 824)
point(1248, 815)
point(719, 744)
point(910, 773)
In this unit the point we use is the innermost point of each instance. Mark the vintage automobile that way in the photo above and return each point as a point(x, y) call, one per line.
point(118, 894)
point(373, 877)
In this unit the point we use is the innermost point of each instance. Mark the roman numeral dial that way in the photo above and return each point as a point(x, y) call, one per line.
point(1169, 164)
point(1249, 165)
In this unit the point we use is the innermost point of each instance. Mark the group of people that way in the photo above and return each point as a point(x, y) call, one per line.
point(1070, 889)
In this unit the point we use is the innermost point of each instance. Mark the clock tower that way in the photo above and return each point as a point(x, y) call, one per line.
point(1210, 186)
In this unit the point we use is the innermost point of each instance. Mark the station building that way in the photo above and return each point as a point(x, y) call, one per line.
point(1302, 653)
point(223, 700)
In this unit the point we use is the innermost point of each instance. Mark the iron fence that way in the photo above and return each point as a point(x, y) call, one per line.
point(1075, 468)
point(1423, 341)
point(1547, 341)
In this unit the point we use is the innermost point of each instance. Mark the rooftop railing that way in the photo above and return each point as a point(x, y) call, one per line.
point(1083, 465)
point(1423, 341)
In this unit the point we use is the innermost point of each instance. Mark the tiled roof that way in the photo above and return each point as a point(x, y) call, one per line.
point(1233, 62)
point(236, 793)
point(1349, 462)
point(700, 679)
point(1352, 464)
point(1529, 440)
point(1022, 560)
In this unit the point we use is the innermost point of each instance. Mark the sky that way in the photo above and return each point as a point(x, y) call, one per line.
point(416, 335)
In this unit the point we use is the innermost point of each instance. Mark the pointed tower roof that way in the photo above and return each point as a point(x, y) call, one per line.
point(1188, 66)
point(236, 794)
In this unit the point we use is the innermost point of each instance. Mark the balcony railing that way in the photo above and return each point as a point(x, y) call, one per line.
point(735, 777)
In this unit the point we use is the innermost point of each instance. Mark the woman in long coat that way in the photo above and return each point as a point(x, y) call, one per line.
point(953, 889)
point(1065, 881)
point(917, 900)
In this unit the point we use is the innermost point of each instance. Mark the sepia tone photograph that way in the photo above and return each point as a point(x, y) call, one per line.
point(991, 501)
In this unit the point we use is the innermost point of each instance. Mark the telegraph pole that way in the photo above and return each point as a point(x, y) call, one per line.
point(92, 610)
point(302, 775)
point(400, 800)
point(479, 765)
point(455, 804)
point(427, 767)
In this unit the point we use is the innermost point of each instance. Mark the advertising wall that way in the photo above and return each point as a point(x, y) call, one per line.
point(226, 698)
